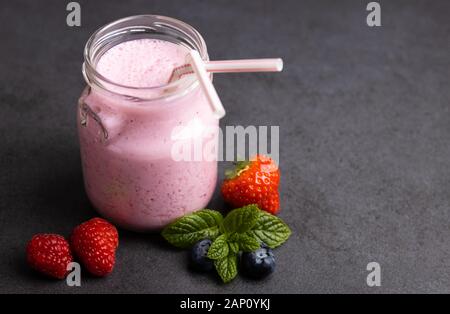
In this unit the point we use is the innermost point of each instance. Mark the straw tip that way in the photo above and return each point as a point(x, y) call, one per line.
point(219, 114)
point(279, 64)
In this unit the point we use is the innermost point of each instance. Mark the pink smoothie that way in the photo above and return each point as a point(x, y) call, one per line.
point(131, 177)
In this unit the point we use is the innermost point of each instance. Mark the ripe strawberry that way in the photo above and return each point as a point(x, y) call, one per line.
point(95, 242)
point(49, 254)
point(253, 182)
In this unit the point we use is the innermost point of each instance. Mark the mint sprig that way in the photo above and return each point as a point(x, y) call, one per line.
point(243, 229)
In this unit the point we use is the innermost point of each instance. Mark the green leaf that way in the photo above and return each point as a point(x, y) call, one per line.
point(227, 267)
point(270, 229)
point(247, 242)
point(187, 230)
point(240, 166)
point(233, 247)
point(219, 248)
point(241, 219)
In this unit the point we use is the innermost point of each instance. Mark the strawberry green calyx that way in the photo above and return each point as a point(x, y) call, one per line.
point(240, 166)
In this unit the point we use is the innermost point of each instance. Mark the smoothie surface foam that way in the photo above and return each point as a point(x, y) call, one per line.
point(141, 62)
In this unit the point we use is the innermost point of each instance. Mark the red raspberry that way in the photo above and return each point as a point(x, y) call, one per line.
point(49, 254)
point(95, 242)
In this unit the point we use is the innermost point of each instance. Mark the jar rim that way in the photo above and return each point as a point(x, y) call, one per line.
point(176, 30)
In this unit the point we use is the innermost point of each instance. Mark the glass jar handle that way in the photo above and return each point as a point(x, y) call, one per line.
point(86, 111)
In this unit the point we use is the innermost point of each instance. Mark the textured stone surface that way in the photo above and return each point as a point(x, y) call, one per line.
point(364, 126)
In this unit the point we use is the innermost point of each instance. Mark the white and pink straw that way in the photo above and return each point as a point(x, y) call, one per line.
point(201, 68)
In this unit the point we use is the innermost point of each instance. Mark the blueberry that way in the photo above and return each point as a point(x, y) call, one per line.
point(258, 264)
point(199, 261)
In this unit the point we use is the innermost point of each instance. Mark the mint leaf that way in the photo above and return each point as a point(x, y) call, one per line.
point(227, 267)
point(247, 242)
point(187, 230)
point(219, 248)
point(234, 247)
point(241, 219)
point(270, 229)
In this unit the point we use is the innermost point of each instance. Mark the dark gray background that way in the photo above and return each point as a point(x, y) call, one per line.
point(364, 131)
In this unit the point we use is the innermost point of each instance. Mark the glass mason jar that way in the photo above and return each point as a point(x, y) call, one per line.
point(132, 173)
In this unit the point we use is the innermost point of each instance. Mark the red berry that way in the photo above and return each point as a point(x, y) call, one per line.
point(49, 254)
point(253, 182)
point(95, 242)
